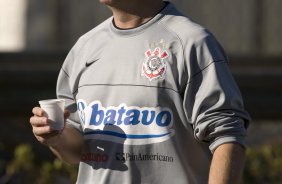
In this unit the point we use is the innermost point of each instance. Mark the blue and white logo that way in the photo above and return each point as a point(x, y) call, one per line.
point(127, 125)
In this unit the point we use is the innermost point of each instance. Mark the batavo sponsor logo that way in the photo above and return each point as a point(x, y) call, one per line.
point(143, 157)
point(125, 124)
point(94, 157)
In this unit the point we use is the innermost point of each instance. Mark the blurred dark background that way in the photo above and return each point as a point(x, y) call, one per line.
point(36, 35)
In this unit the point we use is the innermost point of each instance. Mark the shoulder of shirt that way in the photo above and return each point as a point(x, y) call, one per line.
point(96, 32)
point(94, 35)
point(183, 27)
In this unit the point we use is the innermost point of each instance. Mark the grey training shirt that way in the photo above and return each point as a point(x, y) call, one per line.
point(152, 103)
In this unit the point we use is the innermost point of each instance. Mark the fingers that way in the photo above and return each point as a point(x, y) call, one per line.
point(45, 132)
point(41, 126)
point(39, 118)
point(39, 123)
point(41, 131)
point(36, 121)
point(48, 139)
point(38, 111)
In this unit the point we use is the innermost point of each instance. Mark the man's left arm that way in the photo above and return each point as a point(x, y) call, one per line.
point(227, 164)
point(214, 105)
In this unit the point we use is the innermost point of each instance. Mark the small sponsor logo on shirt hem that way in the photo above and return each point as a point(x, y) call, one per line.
point(143, 157)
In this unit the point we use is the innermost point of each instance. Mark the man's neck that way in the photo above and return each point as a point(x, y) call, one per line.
point(132, 13)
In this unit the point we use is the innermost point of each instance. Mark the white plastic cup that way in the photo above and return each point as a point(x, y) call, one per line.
point(54, 111)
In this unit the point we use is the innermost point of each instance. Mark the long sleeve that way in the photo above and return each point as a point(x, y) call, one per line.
point(212, 100)
point(65, 91)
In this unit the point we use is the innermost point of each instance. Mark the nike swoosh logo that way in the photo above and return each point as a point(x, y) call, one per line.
point(88, 63)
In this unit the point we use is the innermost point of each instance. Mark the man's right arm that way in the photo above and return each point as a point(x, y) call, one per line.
point(65, 144)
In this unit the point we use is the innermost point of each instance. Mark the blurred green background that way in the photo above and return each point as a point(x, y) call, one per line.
point(35, 36)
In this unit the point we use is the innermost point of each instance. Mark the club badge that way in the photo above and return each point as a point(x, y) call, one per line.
point(154, 67)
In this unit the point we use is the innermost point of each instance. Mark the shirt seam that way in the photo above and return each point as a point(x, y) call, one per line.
point(182, 49)
point(204, 68)
point(114, 85)
point(183, 55)
point(65, 72)
point(137, 33)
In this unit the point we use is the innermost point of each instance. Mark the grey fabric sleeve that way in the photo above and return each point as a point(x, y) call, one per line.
point(64, 92)
point(212, 101)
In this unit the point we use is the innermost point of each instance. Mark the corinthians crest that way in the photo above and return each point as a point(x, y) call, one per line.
point(154, 67)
